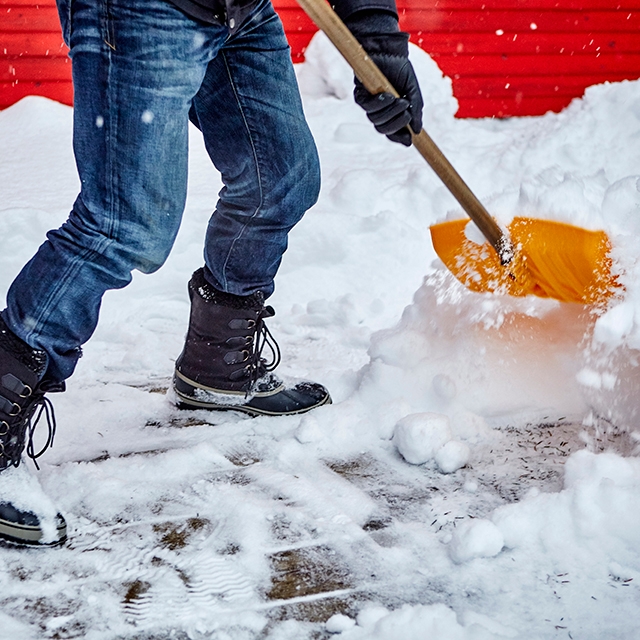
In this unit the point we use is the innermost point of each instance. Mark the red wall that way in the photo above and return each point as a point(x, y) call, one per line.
point(525, 57)
point(513, 57)
point(505, 57)
point(33, 58)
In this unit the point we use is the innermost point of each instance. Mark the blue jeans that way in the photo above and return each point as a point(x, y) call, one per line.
point(141, 70)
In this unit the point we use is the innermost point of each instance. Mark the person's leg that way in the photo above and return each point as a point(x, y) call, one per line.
point(136, 67)
point(250, 113)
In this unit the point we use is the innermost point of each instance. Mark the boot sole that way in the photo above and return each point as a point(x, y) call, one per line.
point(183, 388)
point(191, 404)
point(25, 535)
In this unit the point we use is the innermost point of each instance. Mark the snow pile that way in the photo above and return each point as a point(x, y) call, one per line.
point(593, 523)
point(435, 622)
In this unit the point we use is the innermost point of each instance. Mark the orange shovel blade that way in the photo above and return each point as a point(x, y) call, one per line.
point(552, 260)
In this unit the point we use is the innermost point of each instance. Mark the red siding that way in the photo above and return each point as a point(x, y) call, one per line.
point(514, 57)
point(505, 57)
point(525, 57)
point(33, 58)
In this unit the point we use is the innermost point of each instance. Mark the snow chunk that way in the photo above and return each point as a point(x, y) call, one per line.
point(590, 378)
point(452, 456)
point(339, 623)
point(370, 615)
point(419, 436)
point(475, 539)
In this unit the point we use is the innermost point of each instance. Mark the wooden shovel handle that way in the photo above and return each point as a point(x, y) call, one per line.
point(375, 82)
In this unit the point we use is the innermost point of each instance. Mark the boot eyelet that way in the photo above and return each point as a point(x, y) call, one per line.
point(26, 392)
point(251, 324)
point(4, 428)
point(247, 355)
point(16, 411)
point(2, 452)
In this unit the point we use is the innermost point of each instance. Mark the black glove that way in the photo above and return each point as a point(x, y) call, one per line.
point(377, 31)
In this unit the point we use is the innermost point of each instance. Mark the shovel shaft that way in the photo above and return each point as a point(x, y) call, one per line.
point(375, 82)
point(463, 194)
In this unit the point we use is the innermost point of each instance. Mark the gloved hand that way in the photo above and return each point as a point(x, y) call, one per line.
point(377, 31)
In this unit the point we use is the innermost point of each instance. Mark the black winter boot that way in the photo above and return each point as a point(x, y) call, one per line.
point(27, 516)
point(221, 366)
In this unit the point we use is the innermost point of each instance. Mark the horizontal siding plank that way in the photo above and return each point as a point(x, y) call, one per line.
point(34, 69)
point(528, 43)
point(488, 108)
point(26, 3)
point(506, 66)
point(295, 19)
point(531, 86)
point(520, 21)
point(11, 93)
point(45, 43)
point(517, 5)
point(298, 39)
point(298, 43)
point(522, 43)
point(44, 18)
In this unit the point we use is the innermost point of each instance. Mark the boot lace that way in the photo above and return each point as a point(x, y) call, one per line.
point(256, 366)
point(264, 338)
point(42, 406)
point(12, 442)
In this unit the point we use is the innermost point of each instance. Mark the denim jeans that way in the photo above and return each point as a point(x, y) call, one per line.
point(141, 70)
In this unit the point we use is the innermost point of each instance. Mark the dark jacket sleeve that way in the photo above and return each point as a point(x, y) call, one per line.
point(344, 8)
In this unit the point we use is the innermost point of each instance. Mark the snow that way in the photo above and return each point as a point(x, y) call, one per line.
point(477, 538)
point(420, 436)
point(23, 491)
point(518, 516)
point(453, 455)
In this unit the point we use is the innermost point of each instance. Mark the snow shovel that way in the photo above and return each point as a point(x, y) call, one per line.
point(540, 257)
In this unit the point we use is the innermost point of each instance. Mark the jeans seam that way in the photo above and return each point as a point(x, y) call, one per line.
point(255, 157)
point(112, 102)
